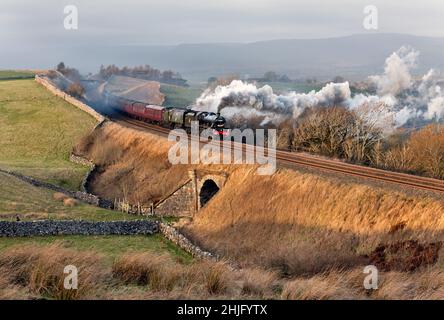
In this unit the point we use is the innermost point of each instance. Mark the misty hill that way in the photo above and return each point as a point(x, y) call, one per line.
point(353, 56)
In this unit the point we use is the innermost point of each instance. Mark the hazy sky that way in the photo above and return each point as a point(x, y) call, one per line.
point(40, 23)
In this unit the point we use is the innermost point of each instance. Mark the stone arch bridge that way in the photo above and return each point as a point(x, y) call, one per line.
point(191, 196)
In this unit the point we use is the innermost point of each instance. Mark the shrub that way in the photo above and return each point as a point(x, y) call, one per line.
point(75, 90)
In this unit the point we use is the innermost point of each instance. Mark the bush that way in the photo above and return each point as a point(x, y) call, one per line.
point(422, 153)
point(75, 90)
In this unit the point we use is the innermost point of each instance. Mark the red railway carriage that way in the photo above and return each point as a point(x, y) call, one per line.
point(150, 113)
point(154, 113)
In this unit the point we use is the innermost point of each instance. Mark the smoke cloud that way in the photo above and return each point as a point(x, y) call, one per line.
point(402, 96)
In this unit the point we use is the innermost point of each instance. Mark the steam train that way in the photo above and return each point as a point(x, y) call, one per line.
point(173, 117)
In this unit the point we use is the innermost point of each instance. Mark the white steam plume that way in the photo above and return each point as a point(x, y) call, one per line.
point(402, 96)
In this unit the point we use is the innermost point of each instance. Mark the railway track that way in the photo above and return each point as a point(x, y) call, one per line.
point(293, 158)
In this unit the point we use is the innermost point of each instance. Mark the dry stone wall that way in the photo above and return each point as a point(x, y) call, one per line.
point(73, 227)
point(180, 240)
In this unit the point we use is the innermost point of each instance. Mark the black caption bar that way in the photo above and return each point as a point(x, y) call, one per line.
point(221, 309)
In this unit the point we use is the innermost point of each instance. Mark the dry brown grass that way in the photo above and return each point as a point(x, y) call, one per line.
point(216, 277)
point(128, 157)
point(156, 271)
point(30, 272)
point(316, 288)
point(161, 273)
point(40, 269)
point(10, 291)
point(58, 196)
point(70, 202)
point(258, 282)
point(310, 224)
point(424, 284)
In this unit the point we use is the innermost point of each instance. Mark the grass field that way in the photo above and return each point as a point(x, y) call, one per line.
point(12, 74)
point(110, 246)
point(38, 131)
point(176, 96)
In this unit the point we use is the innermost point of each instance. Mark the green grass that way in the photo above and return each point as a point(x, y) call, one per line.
point(176, 96)
point(37, 134)
point(38, 131)
point(18, 198)
point(12, 74)
point(110, 246)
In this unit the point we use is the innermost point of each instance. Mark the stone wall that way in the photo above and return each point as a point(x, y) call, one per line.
point(181, 203)
point(56, 91)
point(72, 227)
point(180, 240)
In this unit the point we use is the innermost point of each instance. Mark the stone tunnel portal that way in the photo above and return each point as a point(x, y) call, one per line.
point(208, 190)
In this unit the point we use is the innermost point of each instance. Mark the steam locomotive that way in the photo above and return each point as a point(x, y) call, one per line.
point(173, 117)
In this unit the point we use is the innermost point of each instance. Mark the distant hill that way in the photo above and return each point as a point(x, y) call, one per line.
point(354, 56)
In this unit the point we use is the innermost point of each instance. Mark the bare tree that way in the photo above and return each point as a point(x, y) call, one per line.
point(324, 131)
point(366, 133)
point(427, 148)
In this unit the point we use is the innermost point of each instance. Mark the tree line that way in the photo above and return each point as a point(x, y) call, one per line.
point(145, 72)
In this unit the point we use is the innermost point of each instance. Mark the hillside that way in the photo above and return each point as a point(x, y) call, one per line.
point(317, 230)
point(354, 57)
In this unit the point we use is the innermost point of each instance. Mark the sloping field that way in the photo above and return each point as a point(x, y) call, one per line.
point(179, 97)
point(135, 89)
point(38, 131)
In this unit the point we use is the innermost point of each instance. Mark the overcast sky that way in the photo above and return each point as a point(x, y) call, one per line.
point(40, 23)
